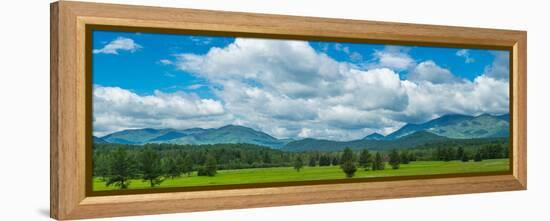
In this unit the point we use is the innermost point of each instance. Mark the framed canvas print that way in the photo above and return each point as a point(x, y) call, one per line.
point(160, 110)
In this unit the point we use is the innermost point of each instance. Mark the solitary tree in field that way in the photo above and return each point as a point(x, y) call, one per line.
point(298, 163)
point(324, 160)
point(365, 159)
point(378, 163)
point(347, 163)
point(151, 167)
point(477, 157)
point(121, 169)
point(187, 165)
point(312, 162)
point(394, 159)
point(404, 157)
point(335, 161)
point(210, 166)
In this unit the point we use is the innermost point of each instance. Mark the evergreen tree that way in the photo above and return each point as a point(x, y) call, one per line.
point(349, 168)
point(328, 160)
point(347, 156)
point(365, 159)
point(151, 167)
point(492, 151)
point(121, 169)
point(378, 163)
point(335, 161)
point(298, 163)
point(170, 167)
point(394, 159)
point(210, 166)
point(101, 165)
point(187, 165)
point(448, 154)
point(266, 158)
point(179, 163)
point(316, 156)
point(477, 157)
point(438, 153)
point(324, 160)
point(312, 161)
point(460, 153)
point(404, 157)
point(347, 162)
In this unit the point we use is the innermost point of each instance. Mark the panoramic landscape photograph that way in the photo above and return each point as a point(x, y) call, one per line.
point(175, 110)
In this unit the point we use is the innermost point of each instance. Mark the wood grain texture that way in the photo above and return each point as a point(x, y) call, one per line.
point(63, 148)
point(520, 94)
point(291, 25)
point(54, 115)
point(230, 199)
point(68, 112)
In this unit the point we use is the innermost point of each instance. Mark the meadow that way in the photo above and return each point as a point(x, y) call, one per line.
point(286, 174)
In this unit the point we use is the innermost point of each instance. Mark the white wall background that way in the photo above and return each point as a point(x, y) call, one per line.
point(24, 109)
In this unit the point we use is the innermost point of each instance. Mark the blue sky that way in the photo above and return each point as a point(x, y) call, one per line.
point(181, 81)
point(143, 72)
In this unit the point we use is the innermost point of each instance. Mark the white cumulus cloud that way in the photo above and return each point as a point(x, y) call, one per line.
point(499, 69)
point(465, 53)
point(428, 100)
point(393, 57)
point(119, 44)
point(116, 108)
point(431, 72)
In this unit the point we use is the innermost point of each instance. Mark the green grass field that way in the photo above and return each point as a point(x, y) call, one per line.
point(286, 174)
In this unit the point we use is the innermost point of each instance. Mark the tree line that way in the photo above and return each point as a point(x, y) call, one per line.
point(465, 153)
point(465, 150)
point(117, 164)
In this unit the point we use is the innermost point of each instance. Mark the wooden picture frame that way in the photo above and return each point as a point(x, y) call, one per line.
point(69, 94)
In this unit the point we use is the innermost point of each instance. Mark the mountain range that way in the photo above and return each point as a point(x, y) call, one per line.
point(225, 134)
point(445, 128)
point(455, 126)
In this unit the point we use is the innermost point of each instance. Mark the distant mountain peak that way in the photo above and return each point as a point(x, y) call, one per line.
point(374, 136)
point(422, 133)
point(235, 126)
point(453, 115)
point(459, 126)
